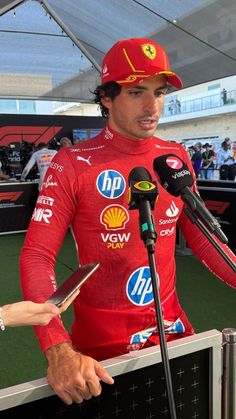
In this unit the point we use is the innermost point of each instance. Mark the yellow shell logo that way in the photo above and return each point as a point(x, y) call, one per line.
point(114, 217)
point(149, 50)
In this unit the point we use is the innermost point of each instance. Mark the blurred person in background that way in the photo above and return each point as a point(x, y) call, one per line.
point(42, 158)
point(6, 171)
point(234, 150)
point(26, 151)
point(207, 165)
point(178, 106)
point(190, 151)
point(3, 175)
point(226, 161)
point(172, 106)
point(78, 140)
point(223, 95)
point(65, 142)
point(196, 158)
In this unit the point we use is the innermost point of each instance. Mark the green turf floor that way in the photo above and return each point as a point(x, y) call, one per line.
point(209, 303)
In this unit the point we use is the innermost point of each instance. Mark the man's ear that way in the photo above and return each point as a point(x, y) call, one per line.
point(106, 101)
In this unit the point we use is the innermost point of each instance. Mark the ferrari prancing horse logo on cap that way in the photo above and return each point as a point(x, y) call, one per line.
point(149, 50)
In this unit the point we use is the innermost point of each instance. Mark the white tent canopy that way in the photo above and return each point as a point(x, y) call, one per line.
point(53, 49)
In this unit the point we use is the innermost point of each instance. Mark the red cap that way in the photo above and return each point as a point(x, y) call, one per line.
point(130, 61)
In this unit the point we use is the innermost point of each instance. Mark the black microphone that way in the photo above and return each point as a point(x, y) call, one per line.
point(176, 178)
point(142, 195)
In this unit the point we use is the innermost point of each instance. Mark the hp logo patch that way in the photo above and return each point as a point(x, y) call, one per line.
point(110, 184)
point(139, 287)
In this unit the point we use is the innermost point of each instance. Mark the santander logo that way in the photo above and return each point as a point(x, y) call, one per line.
point(174, 163)
point(172, 211)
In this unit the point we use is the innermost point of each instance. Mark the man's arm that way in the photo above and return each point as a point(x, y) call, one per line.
point(229, 158)
point(28, 167)
point(203, 249)
point(206, 252)
point(219, 159)
point(44, 238)
point(3, 176)
point(73, 376)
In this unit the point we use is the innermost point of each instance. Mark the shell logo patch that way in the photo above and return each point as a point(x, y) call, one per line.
point(149, 50)
point(114, 217)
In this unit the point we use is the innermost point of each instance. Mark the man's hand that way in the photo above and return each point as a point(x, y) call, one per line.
point(74, 377)
point(3, 176)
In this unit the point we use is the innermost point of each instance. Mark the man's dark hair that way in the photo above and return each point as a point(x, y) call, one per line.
point(225, 142)
point(41, 145)
point(110, 89)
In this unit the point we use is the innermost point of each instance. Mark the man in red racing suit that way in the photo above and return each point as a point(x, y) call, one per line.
point(86, 188)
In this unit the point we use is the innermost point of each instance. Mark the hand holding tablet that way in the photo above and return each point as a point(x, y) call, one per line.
point(68, 291)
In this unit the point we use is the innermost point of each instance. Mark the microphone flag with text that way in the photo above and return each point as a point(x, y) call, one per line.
point(176, 178)
point(142, 195)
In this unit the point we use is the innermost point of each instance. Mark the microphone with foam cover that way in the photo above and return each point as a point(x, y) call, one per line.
point(177, 179)
point(139, 173)
point(141, 187)
point(142, 195)
point(173, 173)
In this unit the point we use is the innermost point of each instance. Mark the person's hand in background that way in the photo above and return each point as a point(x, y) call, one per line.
point(28, 313)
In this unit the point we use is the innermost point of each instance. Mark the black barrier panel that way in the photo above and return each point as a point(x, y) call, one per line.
point(139, 394)
point(221, 202)
point(217, 183)
point(17, 202)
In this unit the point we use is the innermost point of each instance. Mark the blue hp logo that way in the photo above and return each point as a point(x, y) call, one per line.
point(111, 184)
point(139, 287)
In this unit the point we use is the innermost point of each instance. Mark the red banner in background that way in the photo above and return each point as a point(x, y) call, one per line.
point(43, 128)
point(32, 134)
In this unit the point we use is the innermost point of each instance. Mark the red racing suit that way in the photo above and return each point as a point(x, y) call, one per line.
point(86, 188)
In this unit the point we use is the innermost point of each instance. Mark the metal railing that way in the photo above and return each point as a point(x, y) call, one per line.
point(229, 374)
point(198, 104)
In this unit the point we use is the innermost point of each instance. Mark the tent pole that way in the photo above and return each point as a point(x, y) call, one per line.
point(51, 12)
point(11, 5)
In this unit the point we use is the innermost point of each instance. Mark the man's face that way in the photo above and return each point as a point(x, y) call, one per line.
point(227, 145)
point(135, 112)
point(65, 143)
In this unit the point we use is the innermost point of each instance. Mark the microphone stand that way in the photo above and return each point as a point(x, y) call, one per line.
point(195, 220)
point(142, 195)
point(150, 244)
